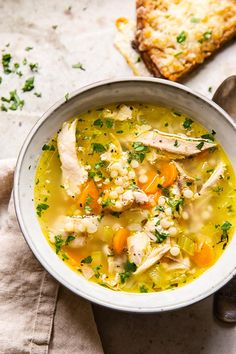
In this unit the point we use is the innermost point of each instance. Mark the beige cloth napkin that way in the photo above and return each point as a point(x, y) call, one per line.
point(37, 316)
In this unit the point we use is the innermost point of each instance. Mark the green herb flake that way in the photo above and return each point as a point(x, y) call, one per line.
point(38, 94)
point(29, 84)
point(28, 49)
point(200, 145)
point(143, 289)
point(160, 236)
point(40, 208)
point(59, 242)
point(176, 144)
point(181, 38)
point(178, 53)
point(129, 268)
point(98, 123)
point(34, 67)
point(24, 61)
point(208, 137)
point(47, 147)
point(107, 202)
point(69, 239)
point(6, 59)
point(98, 147)
point(187, 124)
point(210, 89)
point(119, 132)
point(66, 96)
point(78, 66)
point(109, 123)
point(87, 260)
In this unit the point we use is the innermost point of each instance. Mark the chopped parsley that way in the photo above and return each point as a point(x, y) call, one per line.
point(159, 208)
point(0, 79)
point(160, 236)
point(210, 89)
point(14, 101)
point(175, 203)
point(218, 189)
point(129, 267)
point(38, 94)
point(107, 202)
point(69, 239)
point(181, 38)
point(96, 271)
point(98, 123)
point(59, 242)
point(200, 145)
point(28, 85)
point(119, 132)
point(143, 289)
point(78, 66)
point(47, 147)
point(208, 137)
point(66, 96)
point(206, 36)
point(139, 152)
point(34, 67)
point(88, 202)
point(28, 49)
point(225, 227)
point(87, 260)
point(6, 59)
point(176, 144)
point(187, 123)
point(40, 208)
point(98, 147)
point(109, 123)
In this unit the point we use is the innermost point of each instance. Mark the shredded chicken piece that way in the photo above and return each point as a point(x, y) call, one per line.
point(177, 144)
point(216, 175)
point(183, 176)
point(138, 246)
point(155, 255)
point(74, 173)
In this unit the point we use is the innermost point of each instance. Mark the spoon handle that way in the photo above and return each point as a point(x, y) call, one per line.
point(225, 299)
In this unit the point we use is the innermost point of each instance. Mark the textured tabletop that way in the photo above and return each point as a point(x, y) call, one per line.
point(64, 33)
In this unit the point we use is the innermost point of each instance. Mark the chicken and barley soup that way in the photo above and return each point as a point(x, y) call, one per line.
point(137, 198)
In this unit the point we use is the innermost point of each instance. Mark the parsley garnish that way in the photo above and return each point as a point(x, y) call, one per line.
point(181, 37)
point(176, 144)
point(40, 208)
point(6, 59)
point(109, 123)
point(78, 66)
point(34, 67)
point(130, 268)
point(175, 203)
point(98, 123)
point(107, 202)
point(47, 147)
point(87, 260)
point(28, 49)
point(66, 96)
point(98, 147)
point(69, 239)
point(208, 137)
point(38, 94)
point(161, 236)
point(29, 84)
point(143, 289)
point(59, 242)
point(200, 145)
point(96, 271)
point(14, 100)
point(187, 123)
point(225, 227)
point(88, 202)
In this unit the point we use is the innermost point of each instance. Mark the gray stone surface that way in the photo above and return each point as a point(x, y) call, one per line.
point(85, 34)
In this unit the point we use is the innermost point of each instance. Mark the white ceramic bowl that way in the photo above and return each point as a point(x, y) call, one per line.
point(154, 91)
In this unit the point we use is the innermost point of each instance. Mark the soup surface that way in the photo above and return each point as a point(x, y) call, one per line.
point(136, 197)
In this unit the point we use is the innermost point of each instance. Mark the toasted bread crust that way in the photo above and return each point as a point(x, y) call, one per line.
point(152, 55)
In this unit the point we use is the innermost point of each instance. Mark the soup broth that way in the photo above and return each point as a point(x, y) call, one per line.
point(136, 198)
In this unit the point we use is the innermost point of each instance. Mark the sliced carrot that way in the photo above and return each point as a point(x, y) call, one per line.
point(150, 187)
point(88, 199)
point(153, 200)
point(120, 240)
point(169, 172)
point(204, 257)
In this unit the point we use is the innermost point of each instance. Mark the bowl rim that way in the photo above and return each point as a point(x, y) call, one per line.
point(19, 215)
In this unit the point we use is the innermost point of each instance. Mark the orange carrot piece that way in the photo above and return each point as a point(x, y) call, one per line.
point(150, 187)
point(204, 257)
point(120, 240)
point(169, 172)
point(153, 201)
point(89, 197)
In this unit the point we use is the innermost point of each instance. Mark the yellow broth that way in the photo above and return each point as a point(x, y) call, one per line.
point(214, 210)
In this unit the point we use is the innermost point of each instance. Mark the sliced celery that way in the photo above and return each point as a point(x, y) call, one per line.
point(186, 244)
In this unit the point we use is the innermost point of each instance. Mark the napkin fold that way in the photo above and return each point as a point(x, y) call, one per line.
point(37, 316)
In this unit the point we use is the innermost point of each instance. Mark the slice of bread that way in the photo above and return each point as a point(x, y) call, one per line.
point(175, 36)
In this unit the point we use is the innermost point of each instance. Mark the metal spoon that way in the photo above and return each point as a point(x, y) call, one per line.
point(225, 298)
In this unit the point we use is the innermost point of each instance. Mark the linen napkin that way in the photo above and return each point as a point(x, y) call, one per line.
point(37, 316)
